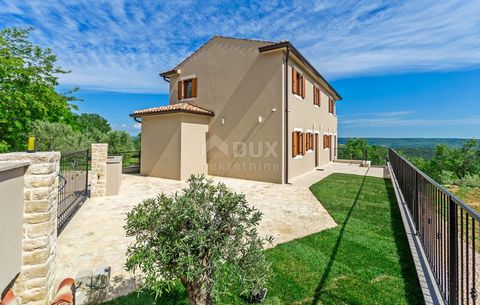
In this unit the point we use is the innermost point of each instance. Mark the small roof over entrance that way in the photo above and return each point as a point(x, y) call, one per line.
point(173, 108)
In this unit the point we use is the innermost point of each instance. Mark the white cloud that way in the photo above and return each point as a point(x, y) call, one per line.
point(122, 45)
point(137, 126)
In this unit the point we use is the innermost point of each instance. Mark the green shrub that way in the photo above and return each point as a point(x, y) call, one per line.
point(205, 237)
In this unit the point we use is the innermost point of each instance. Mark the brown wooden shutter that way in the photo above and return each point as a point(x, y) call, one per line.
point(314, 95)
point(294, 144)
point(294, 80)
point(324, 141)
point(319, 97)
point(303, 85)
point(194, 87)
point(179, 90)
point(304, 143)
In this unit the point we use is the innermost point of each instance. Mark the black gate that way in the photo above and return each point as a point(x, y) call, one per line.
point(72, 185)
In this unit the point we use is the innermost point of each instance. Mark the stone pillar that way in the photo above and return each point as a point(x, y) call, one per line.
point(34, 285)
point(98, 179)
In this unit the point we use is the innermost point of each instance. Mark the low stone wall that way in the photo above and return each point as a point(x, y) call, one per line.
point(34, 285)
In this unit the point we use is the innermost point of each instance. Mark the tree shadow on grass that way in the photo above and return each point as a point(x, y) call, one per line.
point(328, 268)
point(175, 296)
point(412, 289)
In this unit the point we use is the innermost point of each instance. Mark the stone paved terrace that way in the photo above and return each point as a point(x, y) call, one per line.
point(95, 236)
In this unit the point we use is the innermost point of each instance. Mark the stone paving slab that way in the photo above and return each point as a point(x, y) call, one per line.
point(95, 236)
point(334, 167)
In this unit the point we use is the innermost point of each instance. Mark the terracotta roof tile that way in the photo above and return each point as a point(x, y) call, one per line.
point(179, 107)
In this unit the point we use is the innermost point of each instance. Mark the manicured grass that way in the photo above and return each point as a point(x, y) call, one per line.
point(364, 260)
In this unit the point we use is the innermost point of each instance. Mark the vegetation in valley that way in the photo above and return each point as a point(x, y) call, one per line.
point(456, 168)
point(364, 260)
point(359, 149)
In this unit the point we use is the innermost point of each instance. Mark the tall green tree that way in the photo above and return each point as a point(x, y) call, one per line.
point(119, 141)
point(28, 76)
point(58, 137)
point(88, 122)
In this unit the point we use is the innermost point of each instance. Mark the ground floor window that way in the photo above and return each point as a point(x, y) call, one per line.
point(327, 141)
point(298, 143)
point(309, 140)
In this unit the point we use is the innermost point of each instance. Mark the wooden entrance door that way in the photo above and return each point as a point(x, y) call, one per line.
point(316, 149)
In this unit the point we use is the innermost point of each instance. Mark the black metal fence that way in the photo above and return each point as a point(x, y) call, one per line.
point(447, 228)
point(130, 161)
point(72, 186)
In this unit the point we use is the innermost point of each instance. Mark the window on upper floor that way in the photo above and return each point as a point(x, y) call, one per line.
point(187, 88)
point(316, 95)
point(331, 105)
point(298, 83)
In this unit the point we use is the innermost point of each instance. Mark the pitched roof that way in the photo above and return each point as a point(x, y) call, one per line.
point(173, 108)
point(167, 73)
point(269, 46)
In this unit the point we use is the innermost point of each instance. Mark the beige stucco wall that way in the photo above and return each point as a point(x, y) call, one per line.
point(11, 220)
point(161, 146)
point(239, 84)
point(114, 175)
point(174, 145)
point(303, 114)
point(193, 145)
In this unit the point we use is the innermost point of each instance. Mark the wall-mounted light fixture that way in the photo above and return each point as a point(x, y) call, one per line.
point(259, 119)
point(223, 121)
point(274, 109)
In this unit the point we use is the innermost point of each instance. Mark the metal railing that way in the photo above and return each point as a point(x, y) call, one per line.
point(447, 228)
point(345, 153)
point(130, 161)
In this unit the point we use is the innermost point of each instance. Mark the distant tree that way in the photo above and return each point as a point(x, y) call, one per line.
point(28, 77)
point(377, 154)
point(119, 141)
point(355, 148)
point(451, 165)
point(58, 136)
point(91, 122)
point(206, 237)
point(137, 141)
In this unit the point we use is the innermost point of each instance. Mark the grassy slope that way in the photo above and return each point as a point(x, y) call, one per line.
point(364, 260)
point(469, 195)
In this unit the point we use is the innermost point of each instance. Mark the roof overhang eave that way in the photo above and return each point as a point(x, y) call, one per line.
point(181, 111)
point(169, 73)
point(287, 44)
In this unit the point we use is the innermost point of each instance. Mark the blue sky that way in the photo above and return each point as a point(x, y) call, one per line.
point(404, 68)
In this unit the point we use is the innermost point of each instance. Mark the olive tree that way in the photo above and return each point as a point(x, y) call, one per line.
point(205, 237)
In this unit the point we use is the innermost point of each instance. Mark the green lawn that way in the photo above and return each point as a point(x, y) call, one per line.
point(364, 260)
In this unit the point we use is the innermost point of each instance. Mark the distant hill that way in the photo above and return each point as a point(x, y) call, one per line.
point(411, 142)
point(413, 147)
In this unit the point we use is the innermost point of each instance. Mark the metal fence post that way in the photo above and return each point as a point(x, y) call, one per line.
point(86, 172)
point(416, 204)
point(452, 253)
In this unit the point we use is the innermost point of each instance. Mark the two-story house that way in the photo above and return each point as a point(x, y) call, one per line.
point(244, 109)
